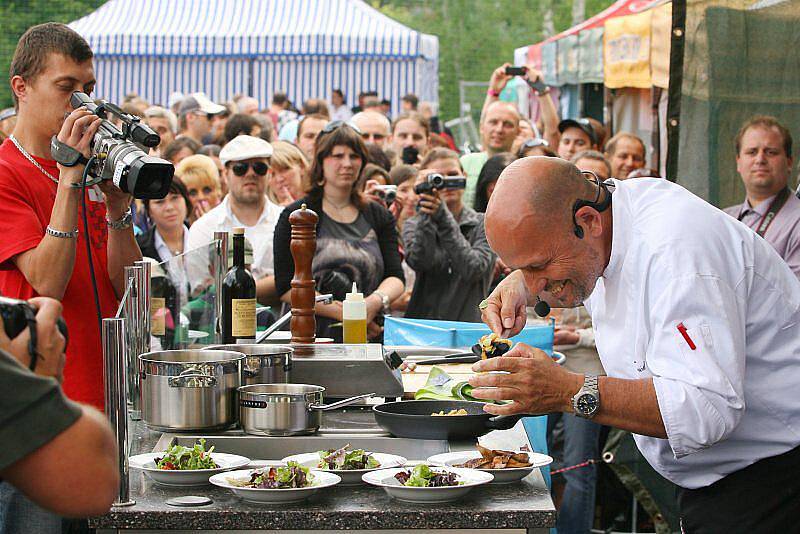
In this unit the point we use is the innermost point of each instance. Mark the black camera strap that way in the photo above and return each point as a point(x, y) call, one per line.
point(30, 318)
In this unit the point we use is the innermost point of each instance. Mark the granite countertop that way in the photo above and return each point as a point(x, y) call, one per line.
point(526, 504)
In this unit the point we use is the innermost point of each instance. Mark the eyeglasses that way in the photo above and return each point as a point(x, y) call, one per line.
point(335, 125)
point(532, 143)
point(596, 204)
point(240, 168)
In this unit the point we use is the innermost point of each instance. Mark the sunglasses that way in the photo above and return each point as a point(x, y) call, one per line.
point(240, 168)
point(335, 125)
point(536, 141)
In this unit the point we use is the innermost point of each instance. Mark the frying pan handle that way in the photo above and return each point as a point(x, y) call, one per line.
point(339, 404)
point(504, 422)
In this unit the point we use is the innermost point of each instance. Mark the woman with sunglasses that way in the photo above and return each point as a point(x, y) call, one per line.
point(356, 239)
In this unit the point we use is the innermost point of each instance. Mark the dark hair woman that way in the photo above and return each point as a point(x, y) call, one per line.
point(487, 178)
point(356, 239)
point(168, 232)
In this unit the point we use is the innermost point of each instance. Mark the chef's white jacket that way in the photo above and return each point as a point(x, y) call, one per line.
point(735, 398)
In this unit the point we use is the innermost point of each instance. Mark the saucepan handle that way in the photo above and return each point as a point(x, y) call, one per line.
point(339, 404)
point(504, 422)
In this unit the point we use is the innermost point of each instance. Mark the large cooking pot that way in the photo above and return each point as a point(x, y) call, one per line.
point(186, 390)
point(285, 409)
point(264, 364)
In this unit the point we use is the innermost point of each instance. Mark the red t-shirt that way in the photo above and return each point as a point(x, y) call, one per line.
point(26, 202)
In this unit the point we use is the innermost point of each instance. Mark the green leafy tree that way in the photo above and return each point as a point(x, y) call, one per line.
point(19, 15)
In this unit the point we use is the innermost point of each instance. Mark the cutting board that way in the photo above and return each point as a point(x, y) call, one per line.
point(416, 379)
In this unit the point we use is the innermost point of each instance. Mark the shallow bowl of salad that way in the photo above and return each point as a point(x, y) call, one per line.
point(279, 483)
point(186, 466)
point(427, 484)
point(348, 463)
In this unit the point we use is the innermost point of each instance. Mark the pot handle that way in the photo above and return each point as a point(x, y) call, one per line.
point(339, 404)
point(193, 380)
point(504, 422)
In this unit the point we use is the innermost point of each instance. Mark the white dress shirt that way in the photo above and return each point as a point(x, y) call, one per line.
point(675, 259)
point(164, 252)
point(222, 219)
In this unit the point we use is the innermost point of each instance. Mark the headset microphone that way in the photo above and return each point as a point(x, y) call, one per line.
point(541, 308)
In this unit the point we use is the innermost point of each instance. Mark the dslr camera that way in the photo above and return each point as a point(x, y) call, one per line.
point(17, 314)
point(387, 193)
point(436, 182)
point(119, 155)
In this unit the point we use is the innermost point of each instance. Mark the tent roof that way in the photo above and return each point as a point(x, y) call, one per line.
point(249, 28)
point(620, 8)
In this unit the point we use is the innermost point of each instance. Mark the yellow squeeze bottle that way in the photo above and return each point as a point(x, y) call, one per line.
point(354, 317)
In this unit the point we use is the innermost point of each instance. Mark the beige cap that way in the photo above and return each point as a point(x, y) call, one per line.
point(245, 147)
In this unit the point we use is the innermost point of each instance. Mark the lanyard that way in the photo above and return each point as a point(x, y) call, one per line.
point(766, 219)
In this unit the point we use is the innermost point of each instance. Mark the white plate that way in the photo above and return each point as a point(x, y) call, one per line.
point(273, 496)
point(350, 477)
point(196, 477)
point(384, 478)
point(501, 476)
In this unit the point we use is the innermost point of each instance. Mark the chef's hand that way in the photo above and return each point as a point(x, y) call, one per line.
point(374, 330)
point(532, 380)
point(50, 343)
point(506, 311)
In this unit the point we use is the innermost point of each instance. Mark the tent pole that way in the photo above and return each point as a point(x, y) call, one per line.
point(608, 112)
point(655, 137)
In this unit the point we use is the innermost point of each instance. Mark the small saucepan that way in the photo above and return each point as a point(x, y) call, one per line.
point(285, 409)
point(414, 419)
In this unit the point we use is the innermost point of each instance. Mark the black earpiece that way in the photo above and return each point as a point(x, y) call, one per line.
point(578, 231)
point(599, 206)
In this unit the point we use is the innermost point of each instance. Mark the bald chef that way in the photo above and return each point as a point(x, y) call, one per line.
point(697, 323)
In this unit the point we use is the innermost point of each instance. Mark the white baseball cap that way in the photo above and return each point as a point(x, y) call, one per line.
point(244, 147)
point(199, 102)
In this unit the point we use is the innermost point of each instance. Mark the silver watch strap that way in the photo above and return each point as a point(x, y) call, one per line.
point(61, 235)
point(123, 223)
point(590, 382)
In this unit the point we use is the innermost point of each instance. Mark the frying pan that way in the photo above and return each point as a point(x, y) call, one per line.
point(413, 419)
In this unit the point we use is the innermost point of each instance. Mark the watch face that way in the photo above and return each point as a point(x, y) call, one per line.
point(587, 404)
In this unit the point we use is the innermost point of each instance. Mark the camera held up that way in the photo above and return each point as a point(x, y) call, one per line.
point(120, 155)
point(437, 182)
point(387, 193)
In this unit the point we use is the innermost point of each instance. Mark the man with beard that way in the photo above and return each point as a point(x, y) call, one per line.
point(697, 323)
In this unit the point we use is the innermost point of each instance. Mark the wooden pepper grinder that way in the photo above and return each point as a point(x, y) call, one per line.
point(303, 246)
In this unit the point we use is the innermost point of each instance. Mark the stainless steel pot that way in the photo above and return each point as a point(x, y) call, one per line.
point(285, 409)
point(264, 364)
point(186, 390)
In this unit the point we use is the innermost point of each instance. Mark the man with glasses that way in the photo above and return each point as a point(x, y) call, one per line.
point(375, 127)
point(194, 116)
point(246, 162)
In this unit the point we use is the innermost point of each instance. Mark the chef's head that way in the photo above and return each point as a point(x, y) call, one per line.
point(529, 223)
point(763, 156)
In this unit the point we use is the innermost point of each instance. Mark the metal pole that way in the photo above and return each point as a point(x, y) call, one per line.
point(221, 255)
point(114, 364)
point(144, 307)
point(131, 307)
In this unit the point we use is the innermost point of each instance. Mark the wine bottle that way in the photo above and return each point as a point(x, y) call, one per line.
point(238, 298)
point(164, 315)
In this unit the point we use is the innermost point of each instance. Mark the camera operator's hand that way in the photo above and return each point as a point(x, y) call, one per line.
point(532, 75)
point(77, 131)
point(499, 78)
point(50, 343)
point(370, 193)
point(117, 201)
point(429, 203)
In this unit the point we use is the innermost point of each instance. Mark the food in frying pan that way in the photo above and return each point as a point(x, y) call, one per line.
point(496, 459)
point(493, 345)
point(460, 411)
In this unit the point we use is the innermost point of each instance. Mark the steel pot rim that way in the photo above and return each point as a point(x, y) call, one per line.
point(263, 350)
point(225, 356)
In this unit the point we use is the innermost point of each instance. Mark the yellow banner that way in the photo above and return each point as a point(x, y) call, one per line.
point(626, 51)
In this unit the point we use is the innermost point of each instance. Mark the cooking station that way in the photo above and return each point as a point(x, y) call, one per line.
point(162, 398)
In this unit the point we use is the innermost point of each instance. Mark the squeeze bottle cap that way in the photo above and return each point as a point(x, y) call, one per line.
point(354, 296)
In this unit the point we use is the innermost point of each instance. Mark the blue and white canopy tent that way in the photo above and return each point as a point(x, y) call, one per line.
point(257, 47)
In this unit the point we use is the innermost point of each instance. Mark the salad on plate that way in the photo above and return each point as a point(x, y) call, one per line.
point(290, 476)
point(343, 459)
point(180, 458)
point(422, 476)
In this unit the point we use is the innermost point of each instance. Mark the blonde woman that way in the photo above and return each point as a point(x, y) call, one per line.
point(201, 177)
point(288, 173)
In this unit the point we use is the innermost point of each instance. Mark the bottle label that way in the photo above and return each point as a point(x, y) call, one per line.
point(158, 311)
point(243, 318)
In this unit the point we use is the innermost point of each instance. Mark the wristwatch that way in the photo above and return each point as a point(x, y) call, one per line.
point(586, 401)
point(386, 302)
point(123, 222)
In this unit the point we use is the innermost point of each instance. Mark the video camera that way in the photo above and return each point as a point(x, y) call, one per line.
point(387, 193)
point(119, 155)
point(437, 181)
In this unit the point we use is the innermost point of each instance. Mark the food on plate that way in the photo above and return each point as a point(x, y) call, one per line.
point(493, 345)
point(344, 460)
point(180, 458)
point(496, 459)
point(422, 476)
point(291, 476)
point(460, 411)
